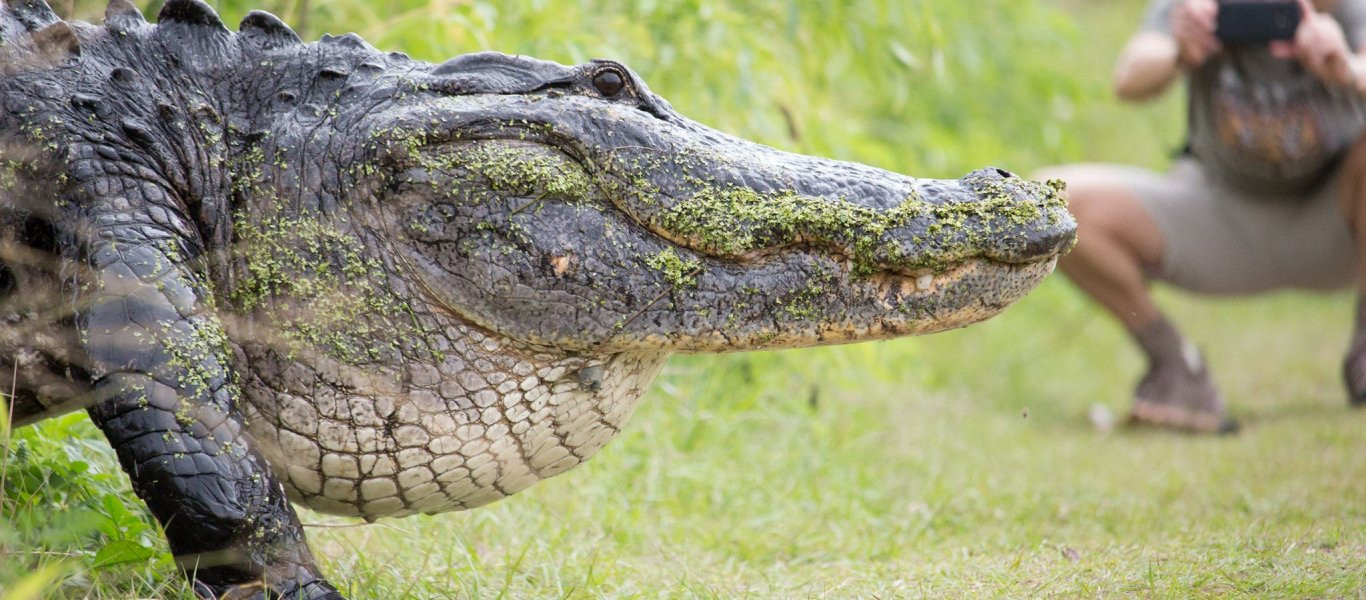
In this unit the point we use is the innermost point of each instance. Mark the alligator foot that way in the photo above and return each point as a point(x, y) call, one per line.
point(1181, 395)
point(1354, 372)
point(316, 589)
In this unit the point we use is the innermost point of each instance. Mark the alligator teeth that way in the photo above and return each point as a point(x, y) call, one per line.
point(924, 282)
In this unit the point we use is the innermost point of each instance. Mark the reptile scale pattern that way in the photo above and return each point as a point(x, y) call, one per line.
point(488, 420)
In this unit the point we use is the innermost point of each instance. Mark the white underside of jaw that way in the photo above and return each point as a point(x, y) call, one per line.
point(474, 429)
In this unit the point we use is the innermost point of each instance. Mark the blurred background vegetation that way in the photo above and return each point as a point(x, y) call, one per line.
point(929, 87)
point(959, 464)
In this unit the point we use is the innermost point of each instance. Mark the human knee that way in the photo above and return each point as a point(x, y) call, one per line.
point(1352, 176)
point(1091, 199)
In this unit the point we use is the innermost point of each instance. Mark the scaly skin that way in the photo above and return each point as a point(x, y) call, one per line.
point(275, 271)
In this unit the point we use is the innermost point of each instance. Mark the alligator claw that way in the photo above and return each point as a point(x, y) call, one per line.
point(317, 589)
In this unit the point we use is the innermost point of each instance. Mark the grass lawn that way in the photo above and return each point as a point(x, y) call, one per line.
point(961, 464)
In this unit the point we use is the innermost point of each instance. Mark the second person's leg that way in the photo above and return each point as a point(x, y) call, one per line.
point(1119, 244)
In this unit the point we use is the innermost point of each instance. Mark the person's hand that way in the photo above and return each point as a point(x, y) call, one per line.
point(1321, 47)
point(1193, 24)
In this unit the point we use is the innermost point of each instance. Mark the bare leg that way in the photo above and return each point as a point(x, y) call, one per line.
point(1117, 243)
point(1353, 199)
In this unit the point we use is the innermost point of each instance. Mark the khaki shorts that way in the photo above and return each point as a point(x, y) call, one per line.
point(1225, 240)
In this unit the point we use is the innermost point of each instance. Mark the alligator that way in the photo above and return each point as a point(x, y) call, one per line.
point(274, 271)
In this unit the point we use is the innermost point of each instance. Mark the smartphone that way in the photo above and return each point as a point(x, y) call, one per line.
point(1257, 21)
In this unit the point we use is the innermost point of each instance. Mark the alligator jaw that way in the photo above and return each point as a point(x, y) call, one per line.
point(898, 293)
point(824, 306)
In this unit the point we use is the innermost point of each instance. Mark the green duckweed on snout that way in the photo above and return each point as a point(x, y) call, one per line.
point(736, 220)
point(678, 271)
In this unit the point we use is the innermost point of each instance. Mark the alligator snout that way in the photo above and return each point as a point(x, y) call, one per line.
point(892, 224)
point(1010, 220)
point(988, 214)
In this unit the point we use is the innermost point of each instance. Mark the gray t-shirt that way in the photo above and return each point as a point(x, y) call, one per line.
point(1264, 123)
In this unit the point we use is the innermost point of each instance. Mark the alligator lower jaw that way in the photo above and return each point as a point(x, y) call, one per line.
point(896, 305)
point(893, 290)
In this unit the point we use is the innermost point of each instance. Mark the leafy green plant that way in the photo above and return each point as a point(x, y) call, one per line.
point(65, 509)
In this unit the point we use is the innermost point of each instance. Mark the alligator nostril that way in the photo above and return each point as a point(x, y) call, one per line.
point(1004, 173)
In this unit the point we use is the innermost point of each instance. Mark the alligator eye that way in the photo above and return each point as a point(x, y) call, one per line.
point(608, 82)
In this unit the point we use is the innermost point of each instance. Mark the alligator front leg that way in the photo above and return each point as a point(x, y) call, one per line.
point(162, 370)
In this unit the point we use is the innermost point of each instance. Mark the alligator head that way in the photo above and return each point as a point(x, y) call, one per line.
point(570, 208)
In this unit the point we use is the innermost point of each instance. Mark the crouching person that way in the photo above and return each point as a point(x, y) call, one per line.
point(1269, 193)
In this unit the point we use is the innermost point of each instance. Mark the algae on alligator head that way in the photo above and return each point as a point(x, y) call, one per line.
point(735, 221)
point(678, 271)
point(320, 288)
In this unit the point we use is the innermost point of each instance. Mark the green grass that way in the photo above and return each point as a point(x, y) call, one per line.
point(961, 464)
